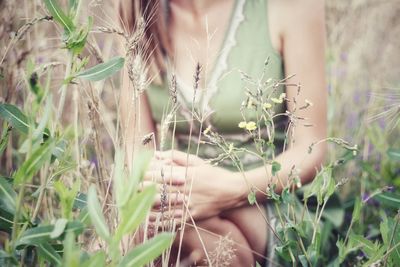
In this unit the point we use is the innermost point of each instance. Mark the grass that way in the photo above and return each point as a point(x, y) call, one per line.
point(70, 138)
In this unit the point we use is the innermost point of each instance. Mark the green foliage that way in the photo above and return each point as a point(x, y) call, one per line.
point(34, 163)
point(389, 199)
point(14, 117)
point(59, 15)
point(103, 70)
point(7, 196)
point(147, 251)
point(44, 208)
point(96, 214)
point(43, 234)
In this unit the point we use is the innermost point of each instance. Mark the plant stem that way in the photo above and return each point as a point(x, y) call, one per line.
point(64, 87)
point(17, 213)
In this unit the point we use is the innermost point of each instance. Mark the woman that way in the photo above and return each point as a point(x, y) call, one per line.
point(226, 38)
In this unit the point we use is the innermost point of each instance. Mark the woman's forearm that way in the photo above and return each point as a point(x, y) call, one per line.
point(295, 158)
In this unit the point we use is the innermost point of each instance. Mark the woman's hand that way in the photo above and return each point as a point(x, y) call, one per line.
point(205, 190)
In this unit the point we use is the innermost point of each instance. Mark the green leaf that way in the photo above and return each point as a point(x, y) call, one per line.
point(59, 15)
point(49, 253)
point(393, 236)
point(59, 148)
point(59, 228)
point(394, 154)
point(357, 210)
point(42, 234)
point(271, 192)
point(33, 164)
point(342, 250)
point(72, 251)
point(303, 260)
point(15, 117)
point(251, 197)
point(77, 40)
point(276, 167)
point(389, 199)
point(384, 229)
point(84, 216)
point(148, 251)
point(133, 214)
point(80, 201)
point(367, 246)
point(96, 260)
point(67, 196)
point(103, 70)
point(4, 138)
point(6, 221)
point(40, 129)
point(323, 186)
point(287, 197)
point(7, 196)
point(96, 214)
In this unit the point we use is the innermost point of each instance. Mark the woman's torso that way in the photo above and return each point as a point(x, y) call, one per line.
point(245, 49)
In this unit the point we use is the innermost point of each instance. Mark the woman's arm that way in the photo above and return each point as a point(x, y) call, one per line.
point(303, 49)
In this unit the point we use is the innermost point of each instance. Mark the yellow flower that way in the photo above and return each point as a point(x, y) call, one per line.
point(242, 124)
point(267, 105)
point(276, 100)
point(251, 125)
point(207, 130)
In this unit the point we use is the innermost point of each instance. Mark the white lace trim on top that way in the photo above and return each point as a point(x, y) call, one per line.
point(221, 64)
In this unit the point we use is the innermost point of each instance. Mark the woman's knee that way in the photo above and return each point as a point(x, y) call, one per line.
point(217, 240)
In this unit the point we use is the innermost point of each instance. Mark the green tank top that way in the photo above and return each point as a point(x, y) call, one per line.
point(246, 48)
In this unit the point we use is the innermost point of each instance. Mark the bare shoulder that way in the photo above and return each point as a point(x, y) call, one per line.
point(298, 12)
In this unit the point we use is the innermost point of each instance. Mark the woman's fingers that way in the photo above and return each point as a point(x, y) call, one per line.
point(168, 200)
point(157, 164)
point(172, 175)
point(179, 157)
point(168, 214)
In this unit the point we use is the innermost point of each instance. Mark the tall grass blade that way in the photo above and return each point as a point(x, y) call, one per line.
point(103, 70)
point(96, 214)
point(147, 251)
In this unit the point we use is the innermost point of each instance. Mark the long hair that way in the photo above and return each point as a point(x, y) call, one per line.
point(156, 39)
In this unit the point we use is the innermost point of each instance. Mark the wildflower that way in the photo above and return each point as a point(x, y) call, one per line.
point(207, 130)
point(276, 100)
point(251, 126)
point(267, 105)
point(242, 124)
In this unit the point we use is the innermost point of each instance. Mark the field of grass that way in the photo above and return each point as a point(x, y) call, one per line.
point(67, 198)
